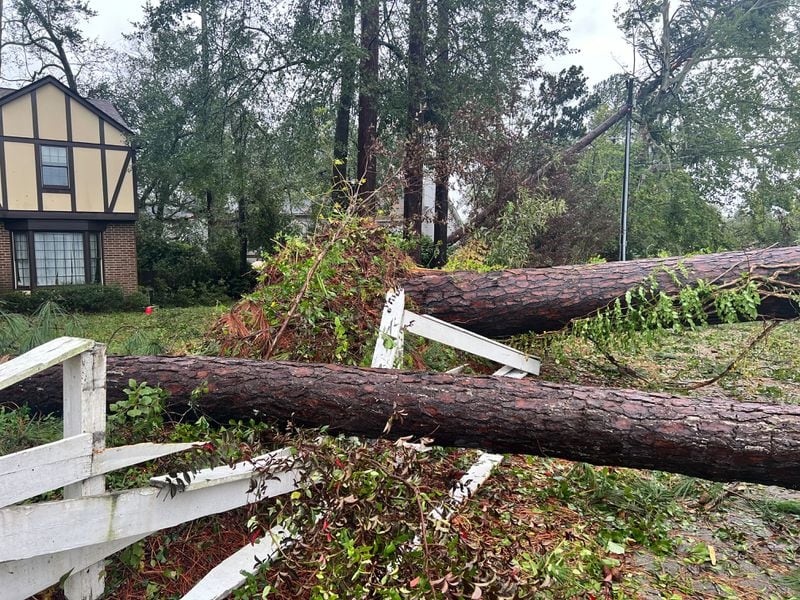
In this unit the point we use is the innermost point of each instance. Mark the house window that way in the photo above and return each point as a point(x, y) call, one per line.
point(22, 261)
point(50, 258)
point(55, 167)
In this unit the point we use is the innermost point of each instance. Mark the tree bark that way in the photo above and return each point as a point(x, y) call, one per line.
point(367, 170)
point(442, 120)
point(347, 80)
point(414, 151)
point(504, 303)
point(712, 438)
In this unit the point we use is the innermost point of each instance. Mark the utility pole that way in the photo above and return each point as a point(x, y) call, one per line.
point(623, 228)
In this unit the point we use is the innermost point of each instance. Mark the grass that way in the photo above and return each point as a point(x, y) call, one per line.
point(171, 330)
point(165, 331)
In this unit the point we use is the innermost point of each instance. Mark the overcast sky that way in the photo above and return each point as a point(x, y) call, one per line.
point(601, 49)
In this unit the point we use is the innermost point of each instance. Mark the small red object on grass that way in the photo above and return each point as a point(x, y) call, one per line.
point(148, 310)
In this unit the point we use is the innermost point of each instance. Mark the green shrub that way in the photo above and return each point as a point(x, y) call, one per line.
point(74, 298)
point(179, 274)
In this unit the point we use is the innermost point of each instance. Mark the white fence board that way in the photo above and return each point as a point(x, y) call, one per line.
point(31, 472)
point(389, 345)
point(85, 412)
point(232, 572)
point(272, 462)
point(475, 477)
point(32, 530)
point(38, 470)
point(451, 335)
point(20, 579)
point(122, 457)
point(506, 371)
point(41, 358)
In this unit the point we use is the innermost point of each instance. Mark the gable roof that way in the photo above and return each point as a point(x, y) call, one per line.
point(102, 108)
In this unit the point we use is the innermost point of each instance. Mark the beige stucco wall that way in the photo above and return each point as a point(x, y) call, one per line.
point(86, 163)
point(85, 124)
point(21, 174)
point(125, 202)
point(52, 111)
point(88, 180)
point(115, 159)
point(18, 117)
point(61, 202)
point(114, 136)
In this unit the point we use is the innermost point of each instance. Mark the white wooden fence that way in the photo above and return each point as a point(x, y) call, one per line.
point(388, 354)
point(396, 321)
point(42, 542)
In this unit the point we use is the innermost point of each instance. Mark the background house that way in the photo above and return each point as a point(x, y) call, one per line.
point(67, 190)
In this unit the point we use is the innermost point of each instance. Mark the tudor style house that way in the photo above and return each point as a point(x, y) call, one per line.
point(67, 190)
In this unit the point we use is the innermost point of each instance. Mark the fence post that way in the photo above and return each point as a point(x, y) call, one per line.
point(85, 412)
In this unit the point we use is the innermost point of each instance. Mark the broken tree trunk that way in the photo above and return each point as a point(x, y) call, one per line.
point(503, 303)
point(711, 438)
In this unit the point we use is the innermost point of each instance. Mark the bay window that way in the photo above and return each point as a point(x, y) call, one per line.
point(50, 258)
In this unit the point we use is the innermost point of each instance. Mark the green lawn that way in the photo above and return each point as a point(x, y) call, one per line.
point(171, 330)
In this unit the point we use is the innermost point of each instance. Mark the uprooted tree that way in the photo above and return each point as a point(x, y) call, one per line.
point(712, 438)
point(503, 303)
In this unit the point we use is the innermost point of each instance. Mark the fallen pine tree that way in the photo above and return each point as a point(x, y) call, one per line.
point(713, 438)
point(504, 303)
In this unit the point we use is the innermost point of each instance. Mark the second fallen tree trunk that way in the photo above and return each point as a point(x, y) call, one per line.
point(712, 438)
point(504, 303)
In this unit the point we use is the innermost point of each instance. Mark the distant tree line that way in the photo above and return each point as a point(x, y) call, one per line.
point(246, 108)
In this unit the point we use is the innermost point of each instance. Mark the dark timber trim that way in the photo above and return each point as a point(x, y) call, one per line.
point(37, 151)
point(54, 214)
point(135, 182)
point(55, 225)
point(49, 79)
point(103, 164)
point(46, 142)
point(72, 192)
point(4, 190)
point(120, 181)
point(73, 198)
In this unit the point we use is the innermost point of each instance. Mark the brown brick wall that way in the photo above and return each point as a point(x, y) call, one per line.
point(119, 255)
point(6, 267)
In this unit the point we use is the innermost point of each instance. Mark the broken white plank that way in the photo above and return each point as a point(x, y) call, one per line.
point(460, 491)
point(41, 358)
point(457, 370)
point(465, 488)
point(506, 371)
point(31, 472)
point(388, 352)
point(111, 459)
point(232, 573)
point(451, 335)
point(20, 579)
point(277, 460)
point(32, 530)
point(475, 477)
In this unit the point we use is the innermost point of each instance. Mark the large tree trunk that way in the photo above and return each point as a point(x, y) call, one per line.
point(711, 438)
point(347, 81)
point(367, 169)
point(503, 303)
point(413, 161)
point(440, 90)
